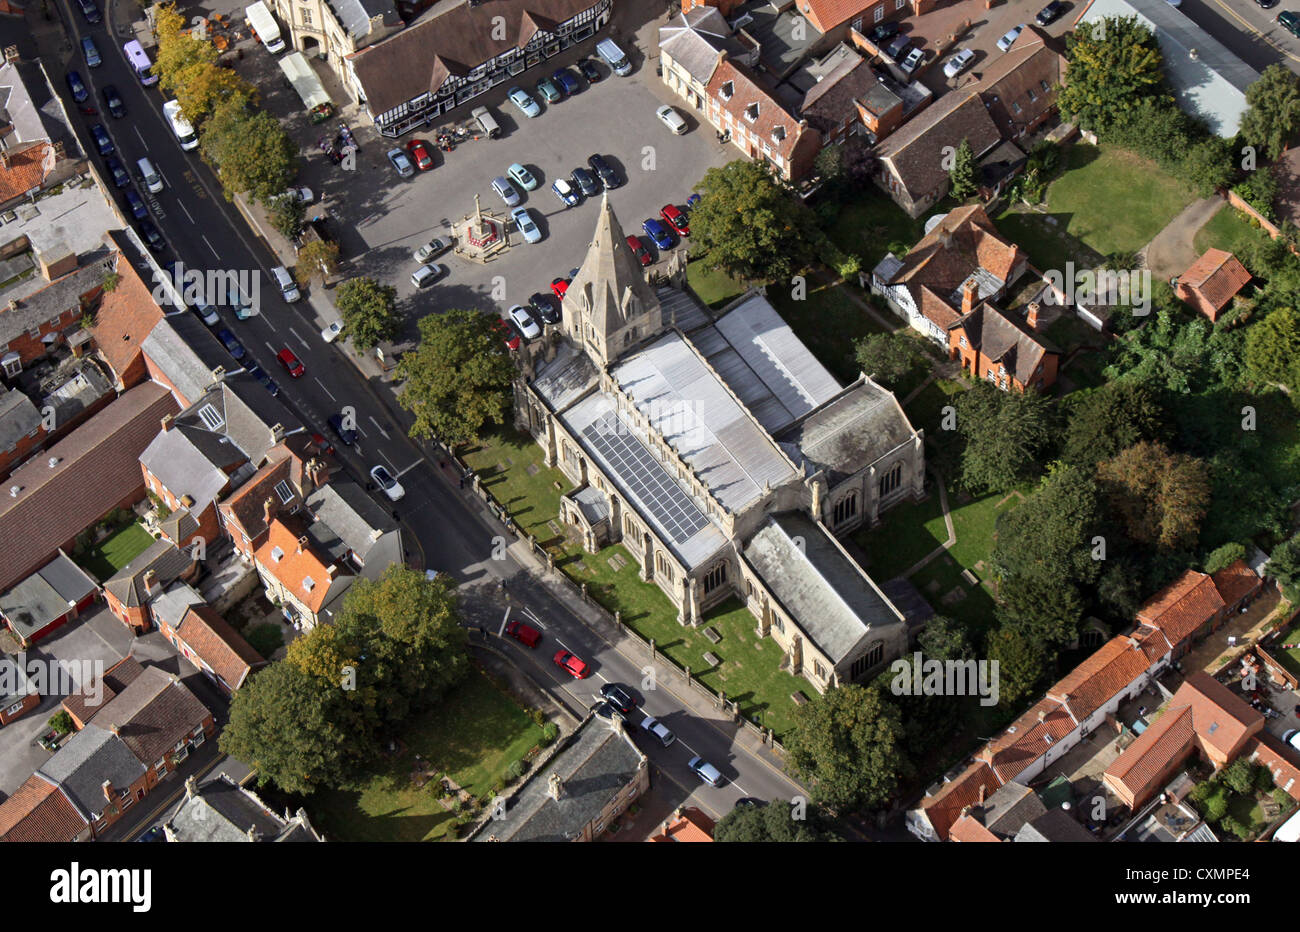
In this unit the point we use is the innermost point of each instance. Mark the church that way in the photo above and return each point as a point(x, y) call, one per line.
point(723, 456)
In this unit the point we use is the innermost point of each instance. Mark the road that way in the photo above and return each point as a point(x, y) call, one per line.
point(446, 524)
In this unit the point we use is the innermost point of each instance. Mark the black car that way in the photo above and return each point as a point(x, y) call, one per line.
point(115, 168)
point(90, 11)
point(883, 32)
point(151, 236)
point(79, 92)
point(135, 204)
point(604, 171)
point(618, 697)
point(545, 306)
point(589, 70)
point(113, 101)
point(1050, 13)
point(586, 182)
point(154, 834)
point(346, 434)
point(264, 380)
point(1266, 4)
point(102, 141)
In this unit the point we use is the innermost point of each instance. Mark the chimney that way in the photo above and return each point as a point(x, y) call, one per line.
point(150, 582)
point(11, 54)
point(554, 786)
point(1031, 318)
point(302, 542)
point(1042, 715)
point(57, 260)
point(187, 500)
point(58, 150)
point(332, 570)
point(982, 791)
point(107, 787)
point(191, 787)
point(219, 374)
point(376, 533)
point(945, 237)
point(969, 292)
point(277, 432)
point(268, 510)
point(168, 421)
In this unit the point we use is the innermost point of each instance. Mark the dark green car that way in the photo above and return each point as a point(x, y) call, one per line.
point(546, 87)
point(1289, 21)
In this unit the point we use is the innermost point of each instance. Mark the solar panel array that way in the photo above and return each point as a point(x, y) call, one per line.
point(646, 477)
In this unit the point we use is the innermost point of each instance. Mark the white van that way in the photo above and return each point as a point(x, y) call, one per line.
point(1290, 830)
point(487, 121)
point(149, 175)
point(265, 26)
point(613, 56)
point(284, 281)
point(139, 63)
point(180, 126)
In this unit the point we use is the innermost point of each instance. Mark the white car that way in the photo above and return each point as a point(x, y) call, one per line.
point(958, 63)
point(302, 195)
point(524, 321)
point(390, 486)
point(434, 247)
point(524, 223)
point(659, 730)
point(427, 274)
point(1292, 738)
point(671, 119)
point(331, 333)
point(1005, 42)
point(912, 61)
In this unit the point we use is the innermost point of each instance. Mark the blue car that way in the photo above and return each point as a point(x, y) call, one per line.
point(102, 142)
point(151, 236)
point(567, 80)
point(265, 380)
point(120, 178)
point(135, 204)
point(524, 101)
point(233, 346)
point(659, 233)
point(79, 92)
point(565, 192)
point(90, 11)
point(89, 50)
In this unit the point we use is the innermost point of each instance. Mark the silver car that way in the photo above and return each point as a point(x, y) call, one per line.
point(1006, 41)
point(506, 191)
point(524, 321)
point(427, 274)
point(434, 247)
point(671, 119)
point(958, 63)
point(400, 162)
point(659, 730)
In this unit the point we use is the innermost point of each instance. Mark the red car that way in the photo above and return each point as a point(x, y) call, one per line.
point(508, 333)
point(571, 664)
point(291, 363)
point(524, 634)
point(559, 286)
point(638, 249)
point(420, 155)
point(325, 446)
point(675, 219)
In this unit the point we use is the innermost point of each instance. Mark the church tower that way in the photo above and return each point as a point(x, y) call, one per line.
point(609, 307)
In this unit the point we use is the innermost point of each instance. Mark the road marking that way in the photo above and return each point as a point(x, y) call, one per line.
point(181, 205)
point(214, 252)
point(409, 468)
point(378, 428)
point(533, 618)
point(387, 460)
point(296, 337)
point(142, 139)
point(322, 386)
point(269, 346)
point(1255, 31)
point(357, 428)
point(504, 619)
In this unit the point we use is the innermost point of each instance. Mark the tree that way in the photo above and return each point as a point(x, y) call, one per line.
point(961, 177)
point(1225, 556)
point(1284, 566)
point(459, 378)
point(945, 639)
point(1106, 420)
point(1272, 351)
point(369, 312)
point(847, 742)
point(750, 226)
point(317, 259)
point(1022, 664)
point(287, 215)
point(890, 358)
point(203, 87)
point(1113, 64)
point(252, 151)
point(1208, 166)
point(1052, 534)
point(1004, 434)
point(1273, 110)
point(1159, 497)
point(1041, 609)
point(772, 822)
point(1259, 190)
point(177, 50)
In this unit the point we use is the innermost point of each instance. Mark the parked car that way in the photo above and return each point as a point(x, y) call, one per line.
point(152, 238)
point(604, 171)
point(958, 63)
point(233, 346)
point(510, 335)
point(564, 191)
point(567, 80)
point(156, 833)
point(90, 11)
point(419, 152)
point(897, 47)
point(118, 173)
point(102, 142)
point(912, 61)
point(1266, 4)
point(506, 191)
point(521, 176)
point(883, 32)
point(559, 287)
point(90, 52)
point(427, 274)
point(673, 216)
point(638, 249)
point(331, 333)
point(113, 101)
point(1050, 13)
point(545, 306)
point(586, 182)
point(524, 101)
point(705, 771)
point(346, 435)
point(387, 484)
point(546, 87)
point(659, 233)
point(571, 664)
point(589, 70)
point(264, 380)
point(522, 318)
point(78, 88)
point(1290, 22)
point(397, 158)
point(1006, 41)
point(1292, 738)
point(434, 247)
point(135, 204)
point(524, 634)
point(618, 697)
point(525, 225)
point(301, 195)
point(671, 119)
point(292, 364)
point(206, 313)
point(658, 729)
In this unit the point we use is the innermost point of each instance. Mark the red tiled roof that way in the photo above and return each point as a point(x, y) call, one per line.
point(1100, 677)
point(1280, 760)
point(295, 566)
point(691, 825)
point(1153, 643)
point(1221, 719)
point(970, 830)
point(825, 15)
point(246, 504)
point(746, 95)
point(219, 645)
point(1147, 760)
point(39, 812)
point(915, 152)
point(126, 315)
point(1183, 606)
point(1028, 738)
point(1235, 582)
point(974, 785)
point(27, 169)
point(1217, 276)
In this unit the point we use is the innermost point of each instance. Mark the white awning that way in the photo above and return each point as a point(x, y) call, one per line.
point(300, 74)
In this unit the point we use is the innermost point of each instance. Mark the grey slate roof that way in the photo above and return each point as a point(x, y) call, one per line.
point(248, 416)
point(1053, 825)
point(174, 602)
point(63, 294)
point(594, 504)
point(695, 38)
point(355, 15)
point(12, 672)
point(186, 352)
point(1011, 807)
point(192, 461)
point(598, 762)
point(163, 557)
point(347, 519)
point(90, 757)
point(222, 811)
point(18, 418)
point(864, 423)
point(44, 596)
point(824, 591)
point(566, 378)
point(610, 280)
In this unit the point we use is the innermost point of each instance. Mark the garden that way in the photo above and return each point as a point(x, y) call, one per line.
point(1240, 801)
point(106, 548)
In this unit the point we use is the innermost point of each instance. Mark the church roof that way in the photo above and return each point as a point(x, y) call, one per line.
point(609, 279)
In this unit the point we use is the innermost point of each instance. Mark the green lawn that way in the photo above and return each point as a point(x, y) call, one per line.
point(829, 323)
point(748, 671)
point(713, 286)
point(1229, 229)
point(473, 735)
point(925, 411)
point(115, 551)
point(906, 533)
point(872, 225)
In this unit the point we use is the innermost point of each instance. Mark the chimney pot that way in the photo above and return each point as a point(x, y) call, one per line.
point(968, 295)
point(1031, 319)
point(107, 787)
point(302, 542)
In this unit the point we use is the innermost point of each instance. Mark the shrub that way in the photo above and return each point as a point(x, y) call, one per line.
point(516, 770)
point(550, 731)
point(539, 717)
point(1282, 798)
point(61, 722)
point(266, 639)
point(1240, 776)
point(1236, 827)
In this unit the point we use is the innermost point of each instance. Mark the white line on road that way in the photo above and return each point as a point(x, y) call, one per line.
point(533, 618)
point(504, 619)
point(296, 337)
point(378, 428)
point(141, 135)
point(214, 252)
point(269, 346)
point(388, 461)
point(324, 389)
point(357, 447)
point(409, 468)
point(181, 205)
point(358, 429)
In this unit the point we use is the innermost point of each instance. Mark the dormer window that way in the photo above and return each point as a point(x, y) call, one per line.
point(211, 418)
point(1032, 95)
point(751, 112)
point(308, 583)
point(728, 88)
point(1043, 85)
point(277, 554)
point(778, 133)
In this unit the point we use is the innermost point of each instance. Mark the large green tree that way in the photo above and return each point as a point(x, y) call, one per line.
point(369, 312)
point(1158, 496)
point(1004, 434)
point(890, 358)
point(1272, 352)
point(846, 742)
point(1114, 63)
point(1103, 421)
point(1023, 664)
point(252, 151)
point(750, 225)
point(1284, 566)
point(459, 378)
point(772, 822)
point(1273, 113)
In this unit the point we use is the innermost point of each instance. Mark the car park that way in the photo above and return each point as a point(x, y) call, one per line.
point(524, 101)
point(292, 364)
point(347, 435)
point(958, 63)
point(264, 380)
point(427, 274)
point(77, 86)
point(585, 182)
point(673, 216)
point(397, 158)
point(113, 101)
point(91, 53)
point(522, 176)
point(1006, 41)
point(387, 484)
point(883, 32)
point(90, 11)
point(658, 233)
point(564, 191)
point(571, 664)
point(486, 121)
point(589, 70)
point(671, 119)
point(524, 634)
point(618, 697)
point(604, 171)
point(912, 61)
point(1050, 13)
point(206, 313)
point(638, 249)
point(546, 88)
point(232, 345)
point(331, 332)
point(522, 318)
point(152, 238)
point(705, 771)
point(658, 729)
point(102, 141)
point(419, 154)
point(510, 335)
point(545, 306)
point(118, 173)
point(567, 80)
point(506, 191)
point(525, 225)
point(135, 204)
point(434, 247)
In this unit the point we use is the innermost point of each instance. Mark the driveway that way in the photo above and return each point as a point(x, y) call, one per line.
point(1172, 250)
